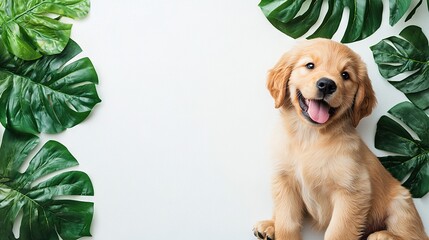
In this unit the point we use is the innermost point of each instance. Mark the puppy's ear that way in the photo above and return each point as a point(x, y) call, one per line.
point(365, 99)
point(278, 78)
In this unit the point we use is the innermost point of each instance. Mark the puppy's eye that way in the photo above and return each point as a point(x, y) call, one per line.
point(345, 75)
point(310, 65)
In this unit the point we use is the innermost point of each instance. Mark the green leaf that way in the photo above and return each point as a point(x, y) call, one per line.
point(408, 54)
point(37, 191)
point(397, 10)
point(413, 11)
point(29, 33)
point(46, 95)
point(415, 119)
point(393, 138)
point(296, 17)
point(413, 158)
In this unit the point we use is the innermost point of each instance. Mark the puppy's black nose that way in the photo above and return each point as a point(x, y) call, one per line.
point(326, 86)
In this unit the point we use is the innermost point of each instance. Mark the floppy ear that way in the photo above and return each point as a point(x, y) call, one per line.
point(278, 78)
point(365, 99)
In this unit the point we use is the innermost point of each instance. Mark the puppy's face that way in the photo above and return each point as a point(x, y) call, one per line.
point(323, 81)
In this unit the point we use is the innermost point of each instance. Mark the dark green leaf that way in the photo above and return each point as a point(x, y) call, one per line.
point(416, 37)
point(296, 17)
point(293, 27)
point(419, 98)
point(47, 94)
point(396, 165)
point(397, 10)
point(17, 147)
point(418, 182)
point(409, 54)
point(413, 11)
point(393, 138)
point(29, 33)
point(416, 120)
point(413, 160)
point(35, 192)
point(331, 21)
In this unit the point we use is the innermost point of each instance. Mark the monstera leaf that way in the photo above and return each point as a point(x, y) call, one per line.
point(415, 9)
point(413, 152)
point(46, 95)
point(296, 17)
point(27, 30)
point(409, 54)
point(38, 195)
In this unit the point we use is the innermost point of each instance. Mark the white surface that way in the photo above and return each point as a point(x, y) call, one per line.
point(178, 149)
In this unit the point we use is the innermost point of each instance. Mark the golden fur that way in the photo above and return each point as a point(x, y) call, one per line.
point(324, 169)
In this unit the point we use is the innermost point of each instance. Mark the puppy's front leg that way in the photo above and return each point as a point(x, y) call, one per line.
point(288, 208)
point(349, 215)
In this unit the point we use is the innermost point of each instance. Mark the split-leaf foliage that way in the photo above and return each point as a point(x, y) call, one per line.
point(48, 94)
point(42, 90)
point(296, 17)
point(411, 165)
point(408, 53)
point(29, 30)
point(36, 192)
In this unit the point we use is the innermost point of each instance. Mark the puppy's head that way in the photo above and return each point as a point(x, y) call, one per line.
point(322, 81)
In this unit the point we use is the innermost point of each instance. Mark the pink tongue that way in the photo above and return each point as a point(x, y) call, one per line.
point(318, 111)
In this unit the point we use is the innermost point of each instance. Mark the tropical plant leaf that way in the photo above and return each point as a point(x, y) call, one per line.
point(409, 54)
point(42, 197)
point(413, 158)
point(414, 10)
point(29, 32)
point(296, 17)
point(46, 95)
point(397, 9)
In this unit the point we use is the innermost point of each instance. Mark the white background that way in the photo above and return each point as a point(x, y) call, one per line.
point(179, 147)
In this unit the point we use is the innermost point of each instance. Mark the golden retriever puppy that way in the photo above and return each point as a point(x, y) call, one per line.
point(323, 167)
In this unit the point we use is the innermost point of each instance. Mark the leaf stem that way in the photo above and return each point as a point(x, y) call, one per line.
point(27, 11)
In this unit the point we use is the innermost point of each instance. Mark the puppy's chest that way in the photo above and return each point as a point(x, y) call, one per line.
point(323, 168)
point(320, 172)
point(317, 201)
point(317, 187)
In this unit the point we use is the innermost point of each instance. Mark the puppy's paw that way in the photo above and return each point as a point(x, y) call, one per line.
point(264, 230)
point(382, 235)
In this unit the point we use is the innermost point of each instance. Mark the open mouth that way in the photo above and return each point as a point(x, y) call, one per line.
point(315, 110)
